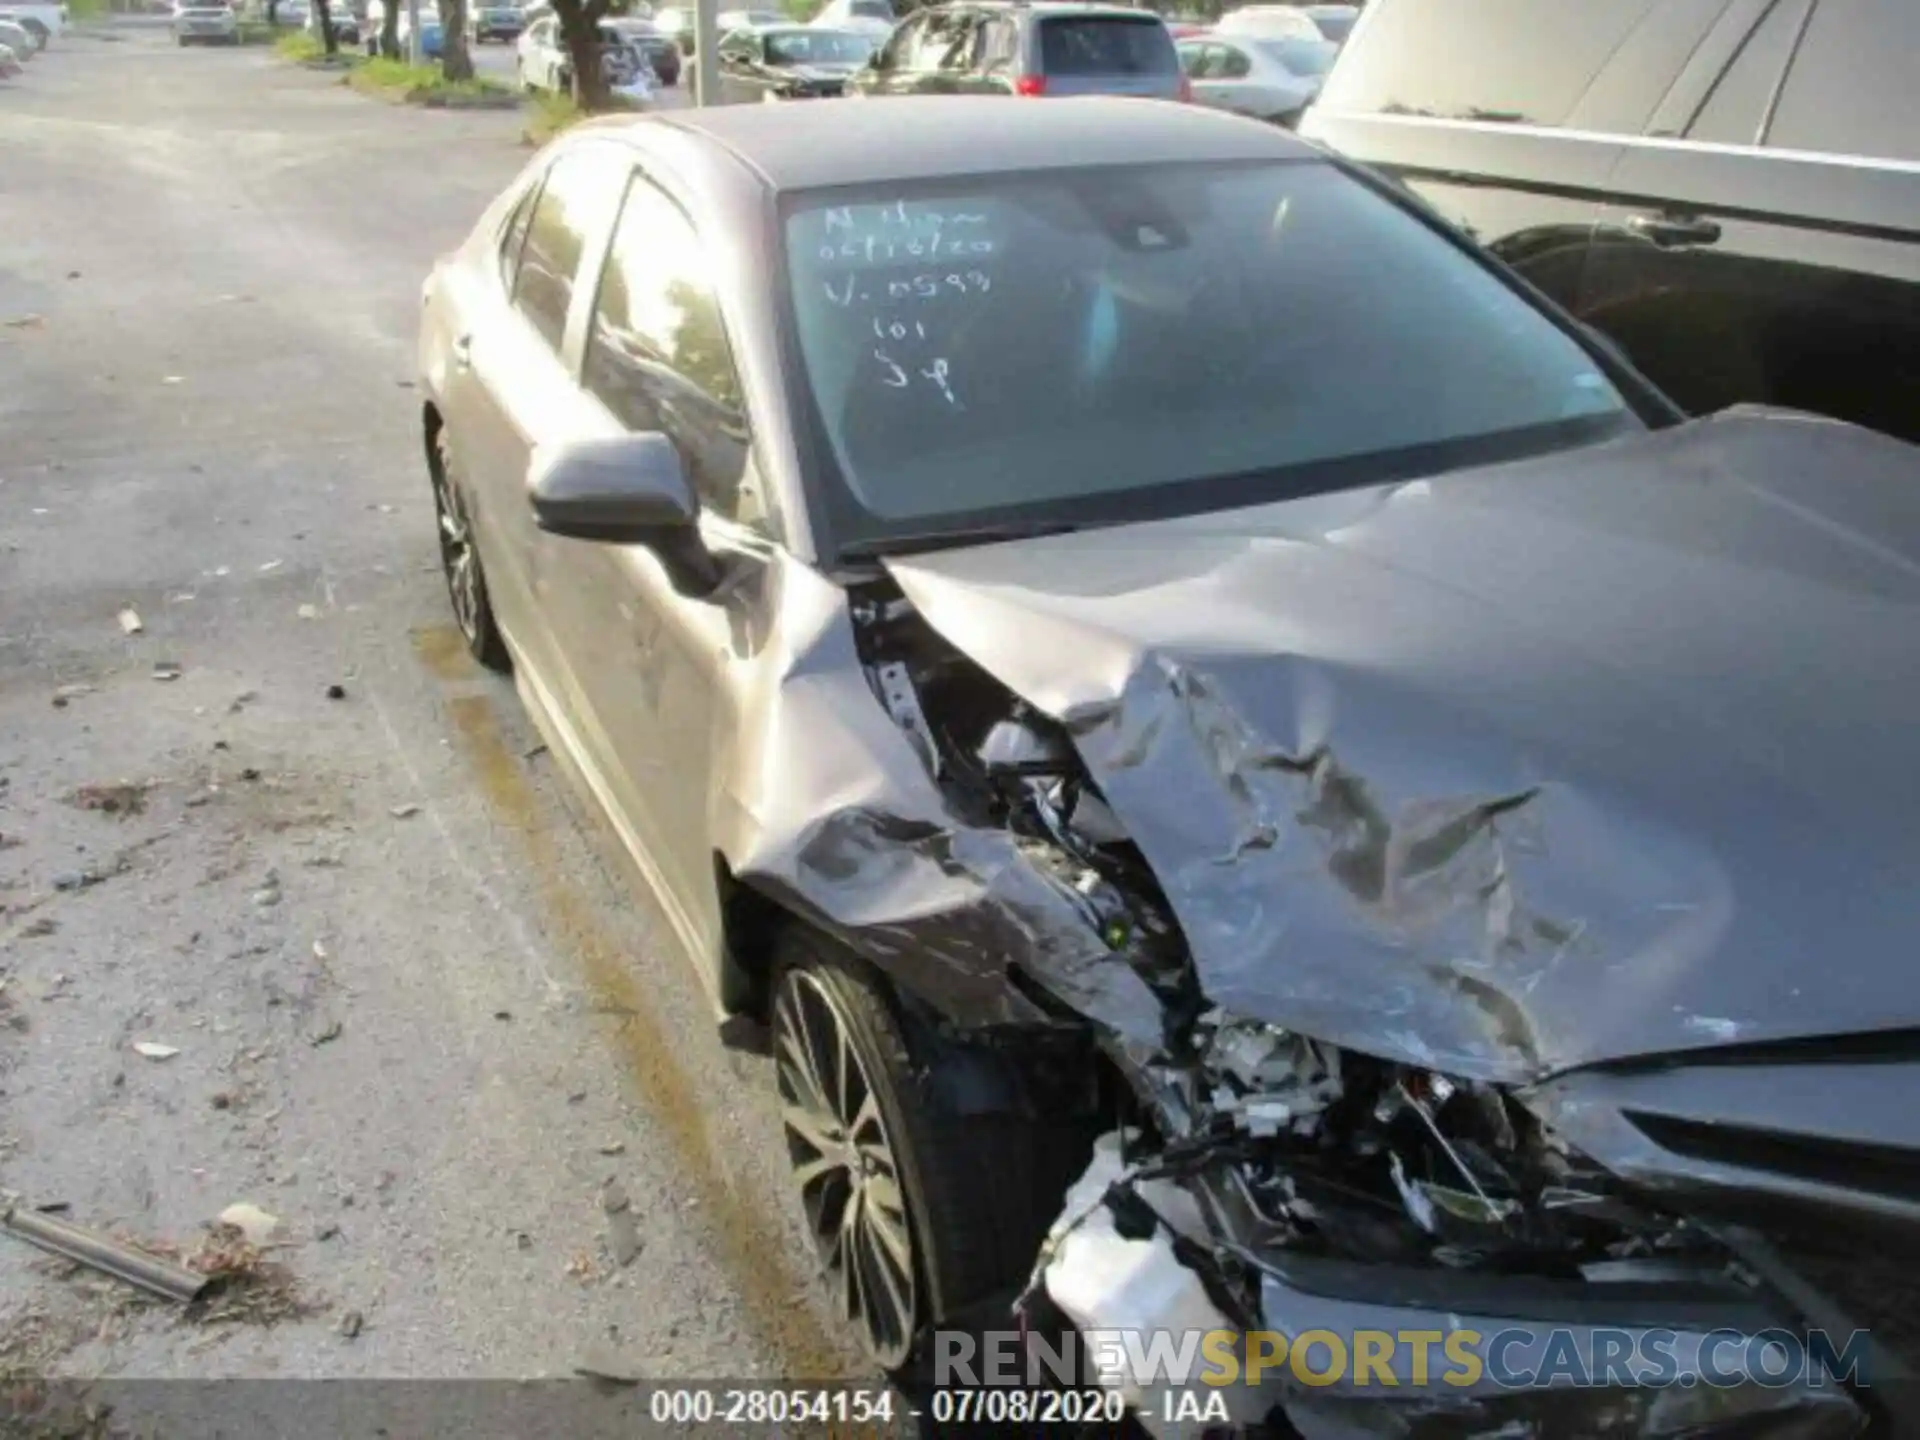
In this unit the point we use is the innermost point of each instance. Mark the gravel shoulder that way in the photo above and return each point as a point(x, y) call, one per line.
point(421, 1013)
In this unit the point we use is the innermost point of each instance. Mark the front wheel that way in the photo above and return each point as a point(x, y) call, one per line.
point(37, 33)
point(917, 1212)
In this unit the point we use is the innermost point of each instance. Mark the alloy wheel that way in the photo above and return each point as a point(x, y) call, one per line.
point(457, 556)
point(844, 1160)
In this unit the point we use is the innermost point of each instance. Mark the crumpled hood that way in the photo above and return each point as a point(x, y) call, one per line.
point(1609, 753)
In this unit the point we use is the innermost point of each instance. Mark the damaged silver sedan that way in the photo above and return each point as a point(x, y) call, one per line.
point(1142, 665)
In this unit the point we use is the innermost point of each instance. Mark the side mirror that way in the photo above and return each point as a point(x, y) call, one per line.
point(626, 490)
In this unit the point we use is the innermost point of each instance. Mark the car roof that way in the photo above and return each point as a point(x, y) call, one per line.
point(806, 147)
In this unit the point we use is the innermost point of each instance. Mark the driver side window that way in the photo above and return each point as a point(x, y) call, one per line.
point(658, 356)
point(1234, 64)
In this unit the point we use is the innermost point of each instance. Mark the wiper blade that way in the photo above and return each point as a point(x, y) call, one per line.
point(907, 544)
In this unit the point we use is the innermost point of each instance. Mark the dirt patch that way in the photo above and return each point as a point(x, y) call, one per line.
point(123, 798)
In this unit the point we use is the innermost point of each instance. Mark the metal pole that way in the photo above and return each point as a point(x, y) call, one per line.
point(413, 32)
point(706, 62)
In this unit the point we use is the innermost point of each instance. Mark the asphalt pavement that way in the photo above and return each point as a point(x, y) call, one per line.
point(293, 909)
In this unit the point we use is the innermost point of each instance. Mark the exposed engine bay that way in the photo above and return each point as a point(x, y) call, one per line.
point(1246, 1148)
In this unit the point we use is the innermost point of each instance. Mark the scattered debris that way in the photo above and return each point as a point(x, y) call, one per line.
point(124, 798)
point(169, 379)
point(336, 692)
point(269, 567)
point(503, 1015)
point(581, 1267)
point(77, 879)
point(154, 1050)
point(623, 1234)
point(257, 1225)
point(328, 1034)
point(319, 952)
point(406, 811)
point(242, 1285)
point(533, 752)
point(309, 612)
point(68, 693)
point(109, 1256)
point(220, 1100)
point(614, 1147)
point(351, 1324)
point(241, 701)
point(166, 670)
point(130, 621)
point(249, 772)
point(36, 929)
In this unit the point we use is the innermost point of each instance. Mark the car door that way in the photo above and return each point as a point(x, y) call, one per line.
point(658, 357)
point(512, 386)
point(1765, 245)
point(1506, 116)
point(1225, 86)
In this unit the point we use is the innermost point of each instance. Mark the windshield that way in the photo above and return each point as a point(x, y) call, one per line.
point(1301, 57)
point(817, 47)
point(871, 9)
point(1105, 343)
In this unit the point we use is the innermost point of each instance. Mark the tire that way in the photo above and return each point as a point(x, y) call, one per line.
point(460, 563)
point(38, 33)
point(975, 1193)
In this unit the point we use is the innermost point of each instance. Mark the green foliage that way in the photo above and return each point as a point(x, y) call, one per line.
point(421, 84)
point(298, 45)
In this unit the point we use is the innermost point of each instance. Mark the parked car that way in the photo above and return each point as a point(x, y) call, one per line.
point(293, 14)
point(1276, 22)
point(874, 18)
point(204, 22)
point(678, 22)
point(1042, 49)
point(662, 55)
point(1728, 191)
point(1335, 21)
point(542, 61)
point(15, 37)
point(1251, 75)
point(42, 21)
point(1139, 623)
point(432, 37)
point(346, 25)
point(789, 62)
point(10, 62)
point(495, 22)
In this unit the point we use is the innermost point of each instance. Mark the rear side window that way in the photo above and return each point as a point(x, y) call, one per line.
point(575, 206)
point(1106, 45)
point(515, 235)
point(1853, 86)
point(1595, 65)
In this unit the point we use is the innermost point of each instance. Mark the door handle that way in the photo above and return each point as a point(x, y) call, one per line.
point(463, 352)
point(1672, 231)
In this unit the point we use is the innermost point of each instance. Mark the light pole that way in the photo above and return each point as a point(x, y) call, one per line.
point(706, 63)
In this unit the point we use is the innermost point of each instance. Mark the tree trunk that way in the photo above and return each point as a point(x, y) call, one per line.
point(580, 27)
point(390, 29)
point(273, 14)
point(455, 62)
point(327, 38)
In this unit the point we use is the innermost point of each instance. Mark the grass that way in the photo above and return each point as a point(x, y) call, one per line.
point(298, 45)
point(548, 115)
point(402, 83)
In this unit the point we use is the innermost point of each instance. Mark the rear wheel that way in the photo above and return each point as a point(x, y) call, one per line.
point(916, 1212)
point(36, 32)
point(460, 561)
